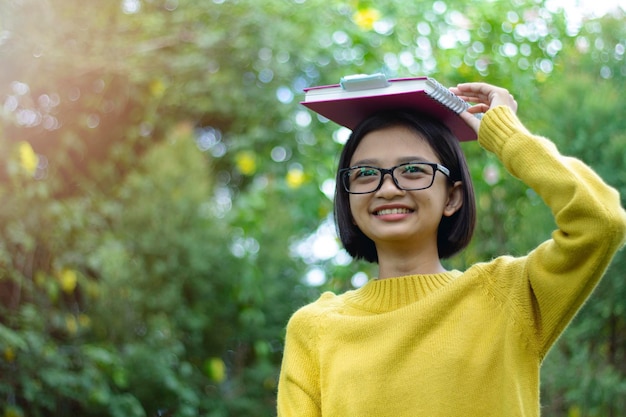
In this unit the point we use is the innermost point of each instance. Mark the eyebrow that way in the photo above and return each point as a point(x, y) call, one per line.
point(402, 160)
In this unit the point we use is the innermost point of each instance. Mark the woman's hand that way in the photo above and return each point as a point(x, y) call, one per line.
point(485, 97)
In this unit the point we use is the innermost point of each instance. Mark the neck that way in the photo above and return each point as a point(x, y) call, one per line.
point(394, 263)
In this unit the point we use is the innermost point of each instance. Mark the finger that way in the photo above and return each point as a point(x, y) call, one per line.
point(483, 93)
point(478, 89)
point(474, 99)
point(478, 108)
point(471, 120)
point(470, 95)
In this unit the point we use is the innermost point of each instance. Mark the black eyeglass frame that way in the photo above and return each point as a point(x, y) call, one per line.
point(384, 171)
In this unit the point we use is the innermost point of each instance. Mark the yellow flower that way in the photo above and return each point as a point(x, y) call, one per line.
point(71, 324)
point(84, 320)
point(12, 412)
point(215, 368)
point(295, 178)
point(366, 18)
point(246, 162)
point(9, 355)
point(157, 87)
point(28, 157)
point(40, 279)
point(541, 76)
point(68, 279)
point(574, 411)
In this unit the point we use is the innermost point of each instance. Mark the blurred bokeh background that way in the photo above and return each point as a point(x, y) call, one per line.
point(165, 202)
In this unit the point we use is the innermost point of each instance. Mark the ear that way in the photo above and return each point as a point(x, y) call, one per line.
point(455, 199)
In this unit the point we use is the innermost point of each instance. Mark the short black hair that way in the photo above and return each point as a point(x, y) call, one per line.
point(455, 232)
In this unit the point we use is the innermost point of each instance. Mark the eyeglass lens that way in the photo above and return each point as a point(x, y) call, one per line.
point(411, 176)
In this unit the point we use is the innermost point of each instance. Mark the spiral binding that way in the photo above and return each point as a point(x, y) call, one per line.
point(447, 97)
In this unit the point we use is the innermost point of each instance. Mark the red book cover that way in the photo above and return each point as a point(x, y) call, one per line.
point(358, 97)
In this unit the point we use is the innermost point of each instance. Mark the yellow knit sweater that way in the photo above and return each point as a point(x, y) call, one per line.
point(459, 344)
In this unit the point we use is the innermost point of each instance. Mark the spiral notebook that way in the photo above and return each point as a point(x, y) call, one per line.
point(358, 96)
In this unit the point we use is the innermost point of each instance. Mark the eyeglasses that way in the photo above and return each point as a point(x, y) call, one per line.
point(409, 176)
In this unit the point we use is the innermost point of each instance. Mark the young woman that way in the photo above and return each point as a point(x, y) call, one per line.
point(423, 341)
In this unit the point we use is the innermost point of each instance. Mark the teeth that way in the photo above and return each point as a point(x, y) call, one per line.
point(393, 211)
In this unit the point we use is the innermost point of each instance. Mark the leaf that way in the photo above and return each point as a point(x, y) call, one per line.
point(11, 339)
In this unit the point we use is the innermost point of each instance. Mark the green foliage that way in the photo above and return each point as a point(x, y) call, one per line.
point(156, 174)
point(593, 350)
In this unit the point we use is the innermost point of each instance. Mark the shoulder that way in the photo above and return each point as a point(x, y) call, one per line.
point(502, 265)
point(503, 276)
point(310, 314)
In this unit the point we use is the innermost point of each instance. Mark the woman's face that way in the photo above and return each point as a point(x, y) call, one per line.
point(404, 220)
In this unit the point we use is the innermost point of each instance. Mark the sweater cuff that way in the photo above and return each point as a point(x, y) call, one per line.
point(498, 125)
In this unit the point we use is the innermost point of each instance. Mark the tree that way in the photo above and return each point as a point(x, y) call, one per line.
point(585, 373)
point(158, 175)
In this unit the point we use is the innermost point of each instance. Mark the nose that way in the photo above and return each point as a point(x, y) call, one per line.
point(388, 187)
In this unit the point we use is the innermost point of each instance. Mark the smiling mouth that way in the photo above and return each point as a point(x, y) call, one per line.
point(384, 212)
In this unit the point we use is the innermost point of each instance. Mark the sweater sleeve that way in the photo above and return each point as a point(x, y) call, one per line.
point(298, 385)
point(556, 278)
